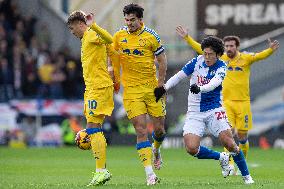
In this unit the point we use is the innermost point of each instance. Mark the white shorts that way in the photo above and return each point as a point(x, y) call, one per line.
point(214, 120)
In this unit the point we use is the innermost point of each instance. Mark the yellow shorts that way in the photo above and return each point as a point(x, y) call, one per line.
point(140, 100)
point(97, 104)
point(239, 114)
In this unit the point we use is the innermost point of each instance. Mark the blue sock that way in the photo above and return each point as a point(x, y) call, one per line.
point(243, 141)
point(206, 153)
point(158, 139)
point(241, 163)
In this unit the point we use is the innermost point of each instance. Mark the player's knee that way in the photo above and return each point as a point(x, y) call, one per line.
point(242, 134)
point(231, 146)
point(141, 131)
point(191, 150)
point(159, 132)
point(242, 137)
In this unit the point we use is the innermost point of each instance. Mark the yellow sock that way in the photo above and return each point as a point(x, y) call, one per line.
point(244, 146)
point(145, 153)
point(231, 160)
point(99, 144)
point(157, 142)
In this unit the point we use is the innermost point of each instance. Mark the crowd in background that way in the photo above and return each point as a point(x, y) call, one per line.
point(28, 67)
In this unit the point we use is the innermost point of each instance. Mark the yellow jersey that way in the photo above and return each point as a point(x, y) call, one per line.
point(137, 51)
point(236, 82)
point(94, 50)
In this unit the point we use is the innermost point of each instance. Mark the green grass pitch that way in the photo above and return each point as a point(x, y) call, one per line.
point(71, 168)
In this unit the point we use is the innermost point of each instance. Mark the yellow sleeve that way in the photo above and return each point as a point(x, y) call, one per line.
point(260, 56)
point(114, 57)
point(115, 41)
point(194, 44)
point(102, 33)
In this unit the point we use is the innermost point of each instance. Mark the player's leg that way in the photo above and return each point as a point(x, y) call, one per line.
point(192, 146)
point(98, 104)
point(243, 142)
point(193, 130)
point(244, 124)
point(144, 147)
point(157, 111)
point(227, 140)
point(98, 144)
point(230, 107)
point(159, 132)
point(220, 127)
point(136, 111)
point(158, 136)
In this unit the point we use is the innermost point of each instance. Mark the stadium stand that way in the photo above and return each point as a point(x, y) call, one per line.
point(28, 67)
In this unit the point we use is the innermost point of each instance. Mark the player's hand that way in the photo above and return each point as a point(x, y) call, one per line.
point(159, 92)
point(273, 45)
point(116, 87)
point(182, 31)
point(90, 19)
point(194, 89)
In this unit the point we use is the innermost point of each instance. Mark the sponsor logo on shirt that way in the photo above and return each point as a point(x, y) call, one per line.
point(202, 80)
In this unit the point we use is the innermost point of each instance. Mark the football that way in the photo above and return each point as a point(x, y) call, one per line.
point(83, 140)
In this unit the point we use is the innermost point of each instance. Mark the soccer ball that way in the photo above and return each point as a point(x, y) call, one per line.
point(83, 140)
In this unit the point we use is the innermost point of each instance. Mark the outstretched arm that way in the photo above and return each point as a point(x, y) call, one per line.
point(173, 81)
point(182, 32)
point(105, 35)
point(273, 46)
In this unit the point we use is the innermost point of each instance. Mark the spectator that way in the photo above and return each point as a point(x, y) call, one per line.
point(6, 81)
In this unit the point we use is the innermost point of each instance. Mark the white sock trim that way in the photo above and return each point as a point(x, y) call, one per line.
point(149, 170)
point(100, 170)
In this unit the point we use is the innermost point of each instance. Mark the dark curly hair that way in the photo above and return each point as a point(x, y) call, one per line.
point(215, 43)
point(133, 9)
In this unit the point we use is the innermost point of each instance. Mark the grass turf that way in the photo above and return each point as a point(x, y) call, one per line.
point(72, 167)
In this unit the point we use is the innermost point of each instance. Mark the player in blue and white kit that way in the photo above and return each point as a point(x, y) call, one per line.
point(205, 109)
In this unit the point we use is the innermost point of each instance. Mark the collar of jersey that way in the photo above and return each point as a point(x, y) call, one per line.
point(138, 32)
point(85, 33)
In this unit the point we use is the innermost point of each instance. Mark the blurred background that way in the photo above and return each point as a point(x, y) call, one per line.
point(41, 84)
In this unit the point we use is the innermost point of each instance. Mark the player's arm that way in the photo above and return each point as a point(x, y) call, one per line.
point(159, 52)
point(110, 68)
point(187, 70)
point(103, 33)
point(106, 36)
point(162, 60)
point(190, 41)
point(214, 82)
point(114, 66)
point(174, 80)
point(273, 46)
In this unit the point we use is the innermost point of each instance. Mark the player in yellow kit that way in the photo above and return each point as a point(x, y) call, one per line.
point(236, 95)
point(138, 46)
point(98, 96)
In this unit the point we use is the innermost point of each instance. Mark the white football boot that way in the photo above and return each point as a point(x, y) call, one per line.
point(227, 169)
